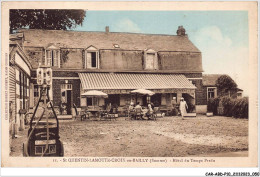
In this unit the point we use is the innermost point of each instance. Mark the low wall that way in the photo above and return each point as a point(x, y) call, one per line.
point(201, 109)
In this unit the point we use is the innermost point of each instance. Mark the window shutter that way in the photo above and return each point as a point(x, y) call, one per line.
point(55, 58)
point(48, 57)
point(88, 60)
point(150, 61)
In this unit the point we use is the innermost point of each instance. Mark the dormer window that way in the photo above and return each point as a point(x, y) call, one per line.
point(91, 58)
point(151, 60)
point(52, 56)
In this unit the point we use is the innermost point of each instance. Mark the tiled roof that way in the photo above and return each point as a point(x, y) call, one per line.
point(210, 79)
point(103, 40)
point(134, 81)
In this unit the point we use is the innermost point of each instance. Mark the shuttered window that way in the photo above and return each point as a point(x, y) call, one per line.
point(150, 60)
point(53, 57)
point(91, 60)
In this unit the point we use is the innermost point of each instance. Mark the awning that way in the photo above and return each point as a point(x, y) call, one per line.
point(130, 81)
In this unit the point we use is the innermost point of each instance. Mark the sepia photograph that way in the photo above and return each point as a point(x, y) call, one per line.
point(127, 86)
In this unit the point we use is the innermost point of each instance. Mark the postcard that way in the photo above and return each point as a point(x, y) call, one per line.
point(129, 84)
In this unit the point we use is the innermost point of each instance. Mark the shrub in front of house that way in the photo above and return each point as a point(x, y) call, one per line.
point(240, 108)
point(227, 104)
point(237, 108)
point(213, 104)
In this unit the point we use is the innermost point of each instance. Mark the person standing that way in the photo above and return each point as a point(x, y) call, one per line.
point(174, 102)
point(183, 107)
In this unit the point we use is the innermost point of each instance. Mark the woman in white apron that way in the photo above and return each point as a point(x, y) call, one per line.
point(183, 107)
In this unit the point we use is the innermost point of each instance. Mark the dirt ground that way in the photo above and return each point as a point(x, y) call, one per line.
point(166, 137)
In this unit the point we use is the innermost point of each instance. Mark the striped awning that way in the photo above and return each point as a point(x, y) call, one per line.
point(130, 81)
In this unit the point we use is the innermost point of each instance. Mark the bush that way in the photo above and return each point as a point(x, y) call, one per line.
point(240, 108)
point(213, 105)
point(237, 108)
point(227, 104)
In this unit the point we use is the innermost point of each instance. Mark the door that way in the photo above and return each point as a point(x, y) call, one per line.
point(68, 102)
point(144, 100)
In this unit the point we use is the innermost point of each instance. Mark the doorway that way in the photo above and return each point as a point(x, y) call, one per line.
point(68, 102)
point(114, 99)
point(190, 102)
point(66, 98)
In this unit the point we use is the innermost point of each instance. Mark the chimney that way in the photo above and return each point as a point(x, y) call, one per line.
point(107, 29)
point(181, 31)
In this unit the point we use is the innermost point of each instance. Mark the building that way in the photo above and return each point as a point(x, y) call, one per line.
point(210, 88)
point(20, 70)
point(115, 63)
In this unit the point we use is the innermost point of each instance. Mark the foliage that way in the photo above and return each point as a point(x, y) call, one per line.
point(237, 108)
point(213, 105)
point(46, 19)
point(64, 55)
point(227, 104)
point(226, 85)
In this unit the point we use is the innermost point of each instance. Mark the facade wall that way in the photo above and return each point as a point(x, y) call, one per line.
point(110, 59)
point(56, 86)
point(36, 55)
point(12, 102)
point(123, 60)
point(200, 93)
point(72, 58)
point(180, 61)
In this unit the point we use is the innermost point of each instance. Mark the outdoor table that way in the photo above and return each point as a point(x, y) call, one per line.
point(94, 113)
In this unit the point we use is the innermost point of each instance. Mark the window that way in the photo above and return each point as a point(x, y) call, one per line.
point(64, 93)
point(151, 60)
point(212, 92)
point(36, 91)
point(53, 58)
point(66, 87)
point(148, 99)
point(91, 59)
point(20, 84)
point(89, 101)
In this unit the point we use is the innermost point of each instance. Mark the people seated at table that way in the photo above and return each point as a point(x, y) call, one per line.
point(138, 106)
point(149, 112)
point(138, 111)
point(109, 107)
point(131, 110)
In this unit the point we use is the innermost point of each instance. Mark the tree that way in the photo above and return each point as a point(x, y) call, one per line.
point(226, 85)
point(46, 19)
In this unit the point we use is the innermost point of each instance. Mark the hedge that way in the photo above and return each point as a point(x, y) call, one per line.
point(213, 105)
point(237, 108)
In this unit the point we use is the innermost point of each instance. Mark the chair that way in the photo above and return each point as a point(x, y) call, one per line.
point(156, 112)
point(113, 114)
point(84, 114)
point(151, 115)
point(138, 113)
point(106, 114)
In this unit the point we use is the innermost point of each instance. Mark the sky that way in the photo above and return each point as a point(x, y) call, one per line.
point(221, 36)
